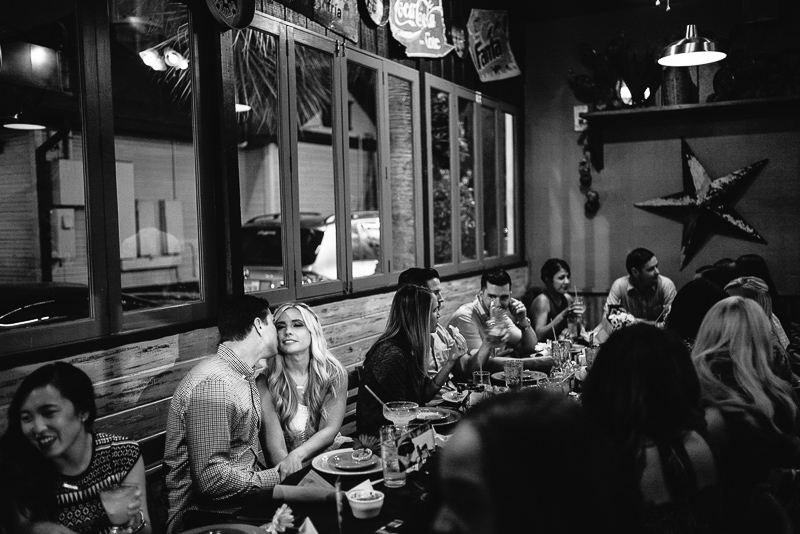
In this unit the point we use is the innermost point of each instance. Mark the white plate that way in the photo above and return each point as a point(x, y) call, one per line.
point(320, 463)
point(226, 528)
point(454, 396)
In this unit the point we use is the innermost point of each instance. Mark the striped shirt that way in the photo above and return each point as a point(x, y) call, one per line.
point(212, 442)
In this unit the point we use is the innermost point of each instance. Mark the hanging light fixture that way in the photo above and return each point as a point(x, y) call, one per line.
point(21, 122)
point(691, 50)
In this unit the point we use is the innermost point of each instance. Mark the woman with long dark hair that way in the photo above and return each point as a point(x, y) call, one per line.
point(54, 464)
point(643, 389)
point(307, 385)
point(551, 308)
point(394, 367)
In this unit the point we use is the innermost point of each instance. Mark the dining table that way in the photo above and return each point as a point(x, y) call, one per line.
point(407, 509)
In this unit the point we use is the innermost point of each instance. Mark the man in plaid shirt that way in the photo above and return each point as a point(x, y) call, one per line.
point(214, 421)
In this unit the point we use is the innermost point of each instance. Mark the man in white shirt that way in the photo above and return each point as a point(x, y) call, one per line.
point(644, 293)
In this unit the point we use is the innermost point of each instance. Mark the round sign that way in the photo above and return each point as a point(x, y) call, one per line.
point(378, 11)
point(237, 14)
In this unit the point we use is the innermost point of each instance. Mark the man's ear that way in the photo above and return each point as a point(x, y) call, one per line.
point(635, 272)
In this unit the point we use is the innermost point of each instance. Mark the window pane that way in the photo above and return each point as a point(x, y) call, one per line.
point(508, 170)
point(401, 173)
point(44, 267)
point(466, 183)
point(440, 164)
point(315, 165)
point(156, 179)
point(365, 226)
point(488, 151)
point(255, 56)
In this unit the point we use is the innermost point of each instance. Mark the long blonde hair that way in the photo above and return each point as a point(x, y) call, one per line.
point(733, 356)
point(325, 375)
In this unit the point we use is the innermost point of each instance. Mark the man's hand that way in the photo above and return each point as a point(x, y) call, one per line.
point(517, 310)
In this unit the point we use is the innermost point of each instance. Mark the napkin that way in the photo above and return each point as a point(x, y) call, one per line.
point(314, 480)
point(366, 486)
point(307, 527)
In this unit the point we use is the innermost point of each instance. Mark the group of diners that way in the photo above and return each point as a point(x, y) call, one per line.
point(676, 426)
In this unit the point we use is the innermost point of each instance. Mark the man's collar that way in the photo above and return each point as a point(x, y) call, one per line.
point(237, 364)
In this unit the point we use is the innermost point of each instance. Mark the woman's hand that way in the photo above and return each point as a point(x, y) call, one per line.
point(134, 507)
point(456, 343)
point(293, 462)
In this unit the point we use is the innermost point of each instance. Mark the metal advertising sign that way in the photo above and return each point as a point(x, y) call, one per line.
point(489, 46)
point(419, 26)
point(340, 16)
point(377, 10)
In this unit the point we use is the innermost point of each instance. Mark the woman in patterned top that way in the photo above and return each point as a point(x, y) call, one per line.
point(54, 464)
point(307, 386)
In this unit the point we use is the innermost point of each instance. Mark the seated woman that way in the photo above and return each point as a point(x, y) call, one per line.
point(394, 367)
point(307, 386)
point(529, 462)
point(753, 414)
point(551, 308)
point(644, 391)
point(690, 306)
point(54, 464)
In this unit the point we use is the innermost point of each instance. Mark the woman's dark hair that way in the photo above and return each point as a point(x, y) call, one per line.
point(755, 265)
point(643, 388)
point(551, 267)
point(26, 473)
point(690, 306)
point(515, 427)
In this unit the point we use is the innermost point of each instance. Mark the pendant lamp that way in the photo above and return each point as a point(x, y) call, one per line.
point(691, 50)
point(22, 122)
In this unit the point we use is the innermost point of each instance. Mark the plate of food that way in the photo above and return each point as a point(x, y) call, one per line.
point(527, 376)
point(321, 464)
point(436, 415)
point(455, 396)
point(348, 461)
point(226, 528)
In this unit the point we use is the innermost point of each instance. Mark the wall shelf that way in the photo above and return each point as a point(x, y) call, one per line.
point(712, 112)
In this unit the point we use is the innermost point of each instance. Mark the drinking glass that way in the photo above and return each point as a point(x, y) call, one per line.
point(393, 475)
point(400, 412)
point(513, 374)
point(115, 500)
point(575, 319)
point(481, 381)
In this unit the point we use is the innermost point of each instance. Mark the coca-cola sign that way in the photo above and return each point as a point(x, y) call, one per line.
point(419, 26)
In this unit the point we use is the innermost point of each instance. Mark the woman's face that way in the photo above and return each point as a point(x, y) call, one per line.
point(49, 421)
point(434, 316)
point(294, 337)
point(560, 281)
point(465, 507)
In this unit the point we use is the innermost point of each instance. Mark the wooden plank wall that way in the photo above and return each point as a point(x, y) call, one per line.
point(134, 383)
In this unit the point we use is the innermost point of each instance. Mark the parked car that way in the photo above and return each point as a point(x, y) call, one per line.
point(36, 303)
point(262, 250)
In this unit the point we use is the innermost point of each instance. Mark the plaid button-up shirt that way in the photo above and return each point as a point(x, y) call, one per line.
point(212, 440)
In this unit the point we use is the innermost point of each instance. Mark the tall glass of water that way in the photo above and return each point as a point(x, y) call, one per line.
point(115, 501)
point(393, 474)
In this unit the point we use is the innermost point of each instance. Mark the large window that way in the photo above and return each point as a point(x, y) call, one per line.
point(329, 187)
point(473, 179)
point(100, 228)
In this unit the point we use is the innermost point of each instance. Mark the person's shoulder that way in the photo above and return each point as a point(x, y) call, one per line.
point(120, 445)
point(665, 281)
point(621, 282)
point(465, 310)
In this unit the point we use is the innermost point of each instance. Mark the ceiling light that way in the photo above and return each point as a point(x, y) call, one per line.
point(691, 50)
point(241, 108)
point(18, 122)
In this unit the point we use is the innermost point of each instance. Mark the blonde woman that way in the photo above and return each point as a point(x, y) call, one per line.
point(752, 413)
point(306, 385)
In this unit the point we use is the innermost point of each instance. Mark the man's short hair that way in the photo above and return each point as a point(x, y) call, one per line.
point(498, 277)
point(418, 276)
point(637, 258)
point(237, 317)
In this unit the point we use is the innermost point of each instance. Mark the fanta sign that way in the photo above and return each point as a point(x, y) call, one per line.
point(489, 47)
point(419, 26)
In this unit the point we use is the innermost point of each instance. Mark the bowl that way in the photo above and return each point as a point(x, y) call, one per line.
point(365, 503)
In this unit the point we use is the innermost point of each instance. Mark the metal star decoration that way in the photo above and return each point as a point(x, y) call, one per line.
point(705, 202)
